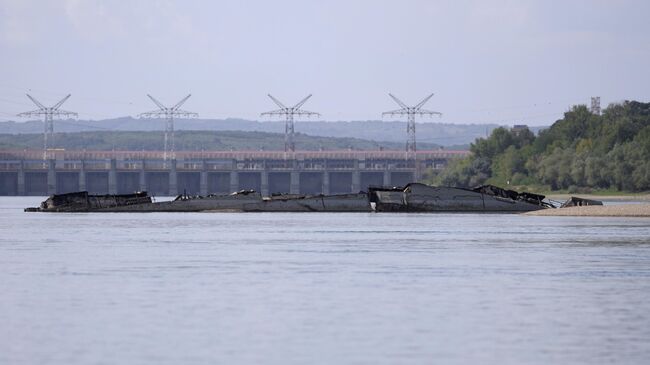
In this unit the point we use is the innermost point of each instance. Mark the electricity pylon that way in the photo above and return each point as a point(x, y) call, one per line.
point(169, 114)
point(48, 123)
point(289, 113)
point(411, 112)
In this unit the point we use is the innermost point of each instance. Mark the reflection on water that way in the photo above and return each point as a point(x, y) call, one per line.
point(321, 288)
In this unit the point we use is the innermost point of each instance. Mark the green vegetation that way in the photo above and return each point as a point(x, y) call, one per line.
point(192, 141)
point(579, 153)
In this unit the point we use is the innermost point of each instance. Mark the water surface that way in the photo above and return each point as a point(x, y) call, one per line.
point(278, 288)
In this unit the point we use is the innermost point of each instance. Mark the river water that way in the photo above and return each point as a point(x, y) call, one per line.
point(310, 288)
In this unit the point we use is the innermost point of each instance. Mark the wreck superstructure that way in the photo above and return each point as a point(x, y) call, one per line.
point(416, 197)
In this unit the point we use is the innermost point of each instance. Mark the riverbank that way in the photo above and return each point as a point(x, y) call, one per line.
point(625, 210)
point(621, 197)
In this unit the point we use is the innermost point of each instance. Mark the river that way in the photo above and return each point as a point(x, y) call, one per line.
point(321, 288)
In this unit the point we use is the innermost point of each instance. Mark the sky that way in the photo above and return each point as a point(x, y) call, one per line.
point(505, 62)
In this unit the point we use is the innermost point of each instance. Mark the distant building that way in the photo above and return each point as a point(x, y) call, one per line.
point(517, 129)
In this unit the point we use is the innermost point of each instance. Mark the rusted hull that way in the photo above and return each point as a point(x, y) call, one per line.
point(84, 202)
point(411, 198)
point(237, 202)
point(319, 203)
point(424, 198)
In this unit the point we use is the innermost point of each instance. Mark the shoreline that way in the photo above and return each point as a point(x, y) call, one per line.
point(626, 210)
point(623, 198)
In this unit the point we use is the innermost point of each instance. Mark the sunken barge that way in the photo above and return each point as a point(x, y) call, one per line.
point(241, 201)
point(416, 197)
point(413, 197)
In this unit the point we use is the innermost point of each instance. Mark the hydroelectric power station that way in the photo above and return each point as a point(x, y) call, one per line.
point(170, 172)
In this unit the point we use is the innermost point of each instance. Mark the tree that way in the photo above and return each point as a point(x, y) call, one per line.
point(581, 150)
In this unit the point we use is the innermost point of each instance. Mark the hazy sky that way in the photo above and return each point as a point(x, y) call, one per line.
point(487, 61)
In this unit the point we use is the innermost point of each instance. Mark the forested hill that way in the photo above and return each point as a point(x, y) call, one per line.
point(580, 152)
point(194, 141)
point(444, 134)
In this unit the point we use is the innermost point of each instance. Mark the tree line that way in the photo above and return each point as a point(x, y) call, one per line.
point(580, 152)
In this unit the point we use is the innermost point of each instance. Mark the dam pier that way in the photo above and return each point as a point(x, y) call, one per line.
point(26, 172)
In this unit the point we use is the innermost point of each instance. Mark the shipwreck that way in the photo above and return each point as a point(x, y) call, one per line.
point(241, 201)
point(416, 197)
point(413, 197)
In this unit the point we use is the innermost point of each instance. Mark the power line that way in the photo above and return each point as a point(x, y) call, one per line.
point(86, 125)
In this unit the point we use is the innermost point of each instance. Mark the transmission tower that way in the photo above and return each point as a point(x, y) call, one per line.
point(289, 113)
point(411, 112)
point(169, 114)
point(595, 105)
point(48, 123)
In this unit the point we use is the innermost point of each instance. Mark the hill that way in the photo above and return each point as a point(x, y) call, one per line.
point(443, 134)
point(193, 141)
point(580, 152)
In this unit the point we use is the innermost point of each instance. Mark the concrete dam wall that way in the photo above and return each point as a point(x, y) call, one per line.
point(108, 172)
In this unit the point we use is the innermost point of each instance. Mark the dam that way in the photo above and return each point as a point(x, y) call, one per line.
point(26, 172)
